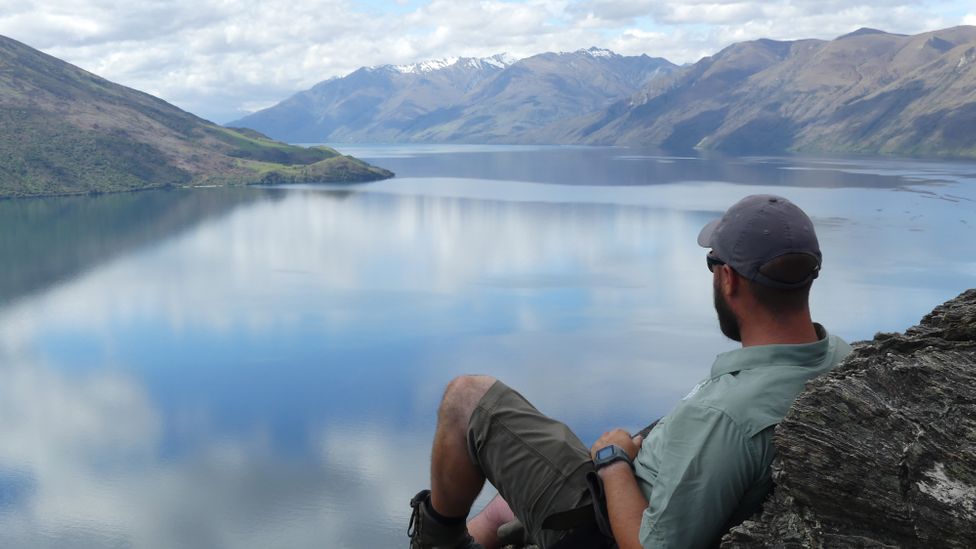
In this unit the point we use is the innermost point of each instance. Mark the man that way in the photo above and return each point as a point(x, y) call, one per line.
point(703, 468)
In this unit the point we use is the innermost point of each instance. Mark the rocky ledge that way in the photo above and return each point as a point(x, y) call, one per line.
point(881, 452)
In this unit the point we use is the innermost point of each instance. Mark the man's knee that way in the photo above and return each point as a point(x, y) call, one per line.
point(461, 396)
point(467, 389)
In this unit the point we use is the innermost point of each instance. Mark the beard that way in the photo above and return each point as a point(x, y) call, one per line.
point(727, 321)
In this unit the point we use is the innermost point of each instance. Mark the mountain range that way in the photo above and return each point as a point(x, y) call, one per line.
point(497, 99)
point(866, 92)
point(64, 130)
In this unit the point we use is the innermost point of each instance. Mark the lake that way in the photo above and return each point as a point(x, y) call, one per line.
point(260, 367)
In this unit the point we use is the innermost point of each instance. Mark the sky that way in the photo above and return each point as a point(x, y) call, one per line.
point(222, 59)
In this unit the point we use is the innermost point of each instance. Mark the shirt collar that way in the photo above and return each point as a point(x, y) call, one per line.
point(760, 356)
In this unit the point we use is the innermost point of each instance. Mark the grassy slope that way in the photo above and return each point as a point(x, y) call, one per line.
point(66, 131)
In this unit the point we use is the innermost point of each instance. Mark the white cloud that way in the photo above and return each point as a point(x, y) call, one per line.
point(221, 58)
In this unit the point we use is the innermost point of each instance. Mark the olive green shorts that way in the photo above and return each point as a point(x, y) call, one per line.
point(536, 463)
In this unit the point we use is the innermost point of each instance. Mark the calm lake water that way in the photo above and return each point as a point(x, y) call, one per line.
point(256, 367)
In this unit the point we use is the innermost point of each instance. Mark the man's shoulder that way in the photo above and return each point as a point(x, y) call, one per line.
point(724, 399)
point(757, 398)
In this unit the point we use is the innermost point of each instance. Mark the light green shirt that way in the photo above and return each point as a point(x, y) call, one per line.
point(706, 465)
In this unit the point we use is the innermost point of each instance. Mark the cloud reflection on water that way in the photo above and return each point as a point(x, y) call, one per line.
point(216, 388)
point(88, 446)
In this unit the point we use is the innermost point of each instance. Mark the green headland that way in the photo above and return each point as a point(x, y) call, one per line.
point(66, 131)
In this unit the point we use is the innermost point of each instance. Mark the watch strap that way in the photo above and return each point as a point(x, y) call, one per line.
point(611, 454)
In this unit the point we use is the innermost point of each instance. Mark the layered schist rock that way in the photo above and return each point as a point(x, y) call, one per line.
point(882, 451)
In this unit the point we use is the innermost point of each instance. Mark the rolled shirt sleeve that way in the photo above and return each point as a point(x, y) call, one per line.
point(704, 463)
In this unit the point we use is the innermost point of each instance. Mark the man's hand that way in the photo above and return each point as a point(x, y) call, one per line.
point(625, 502)
point(621, 438)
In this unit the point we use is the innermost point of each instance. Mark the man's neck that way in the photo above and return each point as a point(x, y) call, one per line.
point(795, 330)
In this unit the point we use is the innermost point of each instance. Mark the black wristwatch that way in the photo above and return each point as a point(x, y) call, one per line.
point(610, 454)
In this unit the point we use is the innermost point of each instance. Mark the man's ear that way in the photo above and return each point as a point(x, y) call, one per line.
point(729, 280)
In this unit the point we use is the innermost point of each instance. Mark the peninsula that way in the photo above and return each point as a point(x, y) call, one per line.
point(66, 131)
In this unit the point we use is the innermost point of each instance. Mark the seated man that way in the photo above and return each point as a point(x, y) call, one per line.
point(703, 468)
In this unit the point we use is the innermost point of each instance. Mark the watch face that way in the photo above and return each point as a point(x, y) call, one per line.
point(604, 453)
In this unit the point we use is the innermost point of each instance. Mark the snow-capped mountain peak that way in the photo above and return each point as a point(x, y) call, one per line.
point(427, 66)
point(596, 52)
point(500, 61)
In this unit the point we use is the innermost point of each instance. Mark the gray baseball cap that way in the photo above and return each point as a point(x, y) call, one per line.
point(758, 229)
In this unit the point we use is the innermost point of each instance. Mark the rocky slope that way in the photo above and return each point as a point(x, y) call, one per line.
point(882, 451)
point(868, 91)
point(492, 100)
point(66, 131)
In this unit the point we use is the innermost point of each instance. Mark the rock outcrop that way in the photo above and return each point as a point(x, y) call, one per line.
point(882, 451)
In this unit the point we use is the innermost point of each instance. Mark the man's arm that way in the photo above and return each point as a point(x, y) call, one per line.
point(625, 502)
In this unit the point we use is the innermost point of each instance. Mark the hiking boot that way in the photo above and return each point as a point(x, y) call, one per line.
point(427, 533)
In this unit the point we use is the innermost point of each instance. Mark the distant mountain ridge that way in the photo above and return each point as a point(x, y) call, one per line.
point(493, 99)
point(868, 91)
point(64, 130)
